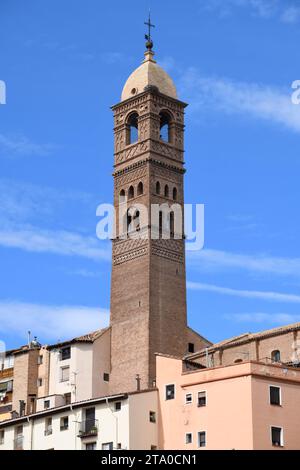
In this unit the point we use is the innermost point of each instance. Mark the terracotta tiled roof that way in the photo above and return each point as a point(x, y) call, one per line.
point(246, 338)
point(91, 337)
point(88, 338)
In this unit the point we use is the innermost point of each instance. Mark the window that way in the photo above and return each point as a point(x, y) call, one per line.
point(170, 392)
point(160, 228)
point(140, 189)
point(2, 435)
point(40, 360)
point(68, 398)
point(64, 423)
point(122, 196)
point(157, 187)
point(175, 194)
point(191, 347)
point(133, 220)
point(188, 398)
point(277, 438)
point(6, 386)
point(65, 353)
point(132, 128)
point(172, 225)
point(118, 406)
point(131, 192)
point(39, 382)
point(275, 356)
point(46, 404)
point(64, 374)
point(275, 396)
point(201, 399)
point(48, 426)
point(165, 133)
point(152, 417)
point(19, 430)
point(108, 446)
point(202, 439)
point(166, 191)
point(91, 446)
point(90, 425)
point(106, 377)
point(189, 438)
point(7, 362)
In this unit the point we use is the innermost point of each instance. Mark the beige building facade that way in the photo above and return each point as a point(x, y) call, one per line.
point(280, 345)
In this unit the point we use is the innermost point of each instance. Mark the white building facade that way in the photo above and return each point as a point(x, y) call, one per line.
point(126, 421)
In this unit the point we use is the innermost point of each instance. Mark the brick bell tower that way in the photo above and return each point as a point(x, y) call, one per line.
point(148, 290)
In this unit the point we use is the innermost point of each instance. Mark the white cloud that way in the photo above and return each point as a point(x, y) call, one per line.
point(273, 318)
point(84, 273)
point(37, 240)
point(232, 97)
point(24, 207)
point(23, 201)
point(249, 294)
point(50, 323)
point(218, 260)
point(12, 146)
point(291, 15)
point(283, 10)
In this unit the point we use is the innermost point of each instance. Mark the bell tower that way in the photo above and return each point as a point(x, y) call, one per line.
point(148, 289)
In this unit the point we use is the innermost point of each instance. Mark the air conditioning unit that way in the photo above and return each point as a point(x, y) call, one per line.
point(2, 396)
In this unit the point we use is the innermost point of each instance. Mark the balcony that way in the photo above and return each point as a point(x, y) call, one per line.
point(18, 443)
point(88, 428)
point(48, 431)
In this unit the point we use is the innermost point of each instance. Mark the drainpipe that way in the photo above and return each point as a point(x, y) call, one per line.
point(31, 431)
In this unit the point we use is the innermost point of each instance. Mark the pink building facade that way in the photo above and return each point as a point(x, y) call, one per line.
point(246, 406)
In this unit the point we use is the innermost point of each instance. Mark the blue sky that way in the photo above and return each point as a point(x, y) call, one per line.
point(64, 63)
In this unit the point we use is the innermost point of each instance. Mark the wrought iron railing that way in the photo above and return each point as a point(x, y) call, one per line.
point(48, 431)
point(18, 443)
point(88, 427)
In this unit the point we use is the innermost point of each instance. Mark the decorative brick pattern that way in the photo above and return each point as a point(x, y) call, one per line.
point(148, 288)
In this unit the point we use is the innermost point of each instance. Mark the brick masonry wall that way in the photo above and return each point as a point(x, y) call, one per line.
point(20, 380)
point(148, 289)
point(25, 378)
point(258, 350)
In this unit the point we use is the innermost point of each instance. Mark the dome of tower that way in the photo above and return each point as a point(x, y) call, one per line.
point(149, 74)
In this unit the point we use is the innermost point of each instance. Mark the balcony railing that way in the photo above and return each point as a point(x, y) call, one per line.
point(88, 428)
point(48, 431)
point(18, 443)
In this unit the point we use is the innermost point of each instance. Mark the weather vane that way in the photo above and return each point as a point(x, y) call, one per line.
point(149, 43)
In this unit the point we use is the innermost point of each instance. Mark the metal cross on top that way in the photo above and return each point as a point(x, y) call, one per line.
point(148, 23)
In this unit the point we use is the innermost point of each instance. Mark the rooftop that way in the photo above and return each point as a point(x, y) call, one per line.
point(87, 338)
point(149, 74)
point(246, 338)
